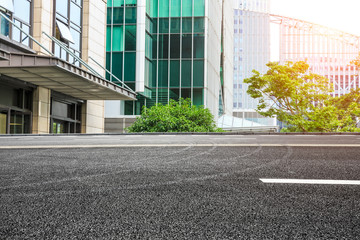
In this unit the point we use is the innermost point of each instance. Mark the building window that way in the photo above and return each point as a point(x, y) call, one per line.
point(20, 12)
point(68, 28)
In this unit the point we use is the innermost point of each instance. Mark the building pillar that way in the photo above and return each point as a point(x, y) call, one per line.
point(92, 117)
point(41, 110)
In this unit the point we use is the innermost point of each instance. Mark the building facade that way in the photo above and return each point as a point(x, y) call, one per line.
point(251, 51)
point(327, 51)
point(169, 49)
point(48, 82)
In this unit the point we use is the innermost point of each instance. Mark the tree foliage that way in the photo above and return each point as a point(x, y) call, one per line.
point(179, 116)
point(303, 99)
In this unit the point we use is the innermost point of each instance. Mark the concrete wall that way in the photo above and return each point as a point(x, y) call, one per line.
point(43, 22)
point(118, 125)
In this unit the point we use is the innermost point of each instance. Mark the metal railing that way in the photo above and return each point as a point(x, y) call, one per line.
point(66, 49)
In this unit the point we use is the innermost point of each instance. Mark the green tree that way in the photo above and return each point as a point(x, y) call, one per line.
point(179, 116)
point(302, 99)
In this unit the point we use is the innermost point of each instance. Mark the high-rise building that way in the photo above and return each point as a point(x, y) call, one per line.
point(327, 51)
point(50, 75)
point(169, 49)
point(251, 51)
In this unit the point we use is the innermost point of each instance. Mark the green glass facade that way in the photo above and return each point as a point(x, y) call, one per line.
point(174, 49)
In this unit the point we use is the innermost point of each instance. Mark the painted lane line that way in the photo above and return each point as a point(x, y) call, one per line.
point(311, 181)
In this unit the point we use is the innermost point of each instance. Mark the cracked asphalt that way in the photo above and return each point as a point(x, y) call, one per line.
point(179, 189)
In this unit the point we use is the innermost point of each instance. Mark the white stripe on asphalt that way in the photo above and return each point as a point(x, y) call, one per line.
point(311, 181)
point(175, 145)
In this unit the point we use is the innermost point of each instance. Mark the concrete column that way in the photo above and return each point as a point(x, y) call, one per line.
point(93, 45)
point(43, 22)
point(92, 117)
point(41, 110)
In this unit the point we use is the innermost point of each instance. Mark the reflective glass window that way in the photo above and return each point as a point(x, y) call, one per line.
point(118, 17)
point(22, 10)
point(185, 73)
point(130, 66)
point(164, 25)
point(198, 97)
point(186, 93)
point(154, 8)
point(117, 64)
point(164, 8)
point(62, 7)
point(175, 46)
point(163, 73)
point(175, 8)
point(174, 73)
point(175, 25)
point(130, 15)
point(187, 7)
point(187, 25)
point(163, 46)
point(199, 26)
point(198, 73)
point(118, 38)
point(199, 45)
point(75, 14)
point(186, 45)
point(199, 8)
point(130, 38)
point(174, 93)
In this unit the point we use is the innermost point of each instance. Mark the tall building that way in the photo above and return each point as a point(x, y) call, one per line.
point(48, 80)
point(327, 51)
point(169, 49)
point(251, 51)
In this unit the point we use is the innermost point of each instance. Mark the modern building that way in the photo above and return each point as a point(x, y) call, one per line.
point(169, 49)
point(328, 51)
point(48, 80)
point(251, 51)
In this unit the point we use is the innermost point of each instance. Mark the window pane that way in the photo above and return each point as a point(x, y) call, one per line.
point(148, 46)
point(75, 14)
point(117, 64)
point(198, 73)
point(108, 58)
point(199, 25)
point(117, 3)
point(185, 73)
point(163, 46)
point(16, 34)
point(22, 10)
point(198, 97)
point(175, 25)
point(163, 73)
point(154, 8)
point(187, 8)
point(130, 14)
point(163, 8)
point(62, 7)
point(153, 78)
point(174, 73)
point(130, 2)
point(118, 17)
point(129, 107)
point(24, 38)
point(174, 94)
point(186, 45)
point(175, 8)
point(77, 39)
point(175, 46)
point(154, 46)
point(164, 25)
point(199, 8)
point(199, 46)
point(163, 96)
point(187, 25)
point(130, 38)
point(130, 67)
point(118, 38)
point(186, 93)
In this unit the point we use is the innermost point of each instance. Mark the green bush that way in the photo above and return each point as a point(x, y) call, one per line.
point(179, 116)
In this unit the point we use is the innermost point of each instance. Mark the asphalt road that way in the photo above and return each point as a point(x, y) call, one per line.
point(178, 187)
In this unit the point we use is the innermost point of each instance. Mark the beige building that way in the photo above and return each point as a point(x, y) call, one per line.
point(51, 74)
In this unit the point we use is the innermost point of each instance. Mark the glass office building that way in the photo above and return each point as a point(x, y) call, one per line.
point(163, 50)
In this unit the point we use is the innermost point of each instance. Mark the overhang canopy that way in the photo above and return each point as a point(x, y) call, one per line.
point(61, 76)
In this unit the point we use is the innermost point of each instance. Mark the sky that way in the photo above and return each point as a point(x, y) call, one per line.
point(340, 14)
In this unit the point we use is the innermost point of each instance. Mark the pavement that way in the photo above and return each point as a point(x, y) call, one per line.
point(180, 187)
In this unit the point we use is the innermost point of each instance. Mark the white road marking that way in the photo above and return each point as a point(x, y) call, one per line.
point(175, 145)
point(311, 181)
